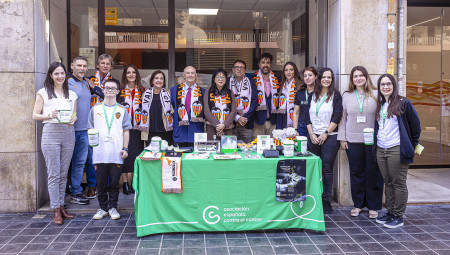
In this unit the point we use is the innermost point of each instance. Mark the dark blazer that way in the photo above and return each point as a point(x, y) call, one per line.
point(337, 109)
point(261, 116)
point(253, 104)
point(409, 128)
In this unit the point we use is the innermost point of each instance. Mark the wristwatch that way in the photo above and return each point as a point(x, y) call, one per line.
point(326, 132)
point(125, 149)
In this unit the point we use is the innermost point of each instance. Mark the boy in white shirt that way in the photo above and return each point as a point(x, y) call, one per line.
point(113, 124)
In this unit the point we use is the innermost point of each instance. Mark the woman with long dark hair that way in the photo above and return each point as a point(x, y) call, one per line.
point(397, 132)
point(220, 106)
point(301, 105)
point(322, 121)
point(130, 96)
point(58, 139)
point(283, 99)
point(156, 103)
point(359, 104)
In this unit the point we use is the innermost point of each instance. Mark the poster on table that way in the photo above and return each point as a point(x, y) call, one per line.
point(291, 180)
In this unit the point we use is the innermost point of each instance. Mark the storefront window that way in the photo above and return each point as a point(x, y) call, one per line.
point(238, 30)
point(84, 30)
point(235, 30)
point(428, 79)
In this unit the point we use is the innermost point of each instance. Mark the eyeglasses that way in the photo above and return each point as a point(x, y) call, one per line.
point(109, 89)
point(221, 77)
point(239, 67)
point(387, 84)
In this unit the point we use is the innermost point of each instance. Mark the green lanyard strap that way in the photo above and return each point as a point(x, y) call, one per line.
point(306, 94)
point(383, 115)
point(109, 124)
point(320, 104)
point(361, 104)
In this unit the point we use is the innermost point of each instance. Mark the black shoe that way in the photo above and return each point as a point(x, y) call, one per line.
point(394, 222)
point(327, 209)
point(126, 189)
point(384, 218)
point(79, 199)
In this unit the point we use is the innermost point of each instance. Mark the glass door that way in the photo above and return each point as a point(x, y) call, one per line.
point(428, 79)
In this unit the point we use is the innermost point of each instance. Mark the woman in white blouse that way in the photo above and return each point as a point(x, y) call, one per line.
point(322, 120)
point(58, 138)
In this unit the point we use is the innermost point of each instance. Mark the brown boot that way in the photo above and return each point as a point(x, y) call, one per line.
point(57, 217)
point(65, 214)
point(91, 193)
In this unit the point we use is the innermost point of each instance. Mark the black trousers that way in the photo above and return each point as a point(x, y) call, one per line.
point(135, 147)
point(365, 177)
point(327, 153)
point(108, 173)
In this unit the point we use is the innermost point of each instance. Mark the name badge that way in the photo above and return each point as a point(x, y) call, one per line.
point(382, 132)
point(361, 119)
point(316, 122)
point(109, 139)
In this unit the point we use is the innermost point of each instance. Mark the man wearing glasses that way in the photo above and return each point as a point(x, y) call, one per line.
point(112, 122)
point(246, 96)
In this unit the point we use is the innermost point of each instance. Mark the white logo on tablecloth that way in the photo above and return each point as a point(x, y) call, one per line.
point(211, 214)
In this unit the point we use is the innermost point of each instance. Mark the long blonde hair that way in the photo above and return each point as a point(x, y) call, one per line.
point(368, 87)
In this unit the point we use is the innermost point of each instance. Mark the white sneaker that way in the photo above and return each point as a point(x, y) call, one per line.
point(100, 214)
point(114, 214)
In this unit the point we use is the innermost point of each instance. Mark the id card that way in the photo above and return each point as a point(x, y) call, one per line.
point(361, 119)
point(109, 139)
point(382, 132)
point(316, 121)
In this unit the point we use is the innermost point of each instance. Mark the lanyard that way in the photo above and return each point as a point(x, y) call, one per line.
point(383, 115)
point(320, 104)
point(359, 101)
point(109, 124)
point(306, 94)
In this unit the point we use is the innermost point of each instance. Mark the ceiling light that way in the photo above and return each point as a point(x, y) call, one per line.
point(198, 11)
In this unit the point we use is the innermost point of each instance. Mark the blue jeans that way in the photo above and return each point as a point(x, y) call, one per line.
point(90, 170)
point(79, 157)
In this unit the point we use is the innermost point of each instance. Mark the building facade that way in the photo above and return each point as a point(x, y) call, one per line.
point(163, 34)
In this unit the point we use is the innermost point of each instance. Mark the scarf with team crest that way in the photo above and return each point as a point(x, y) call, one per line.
point(145, 109)
point(274, 85)
point(220, 103)
point(196, 105)
point(242, 93)
point(96, 80)
point(132, 106)
point(283, 101)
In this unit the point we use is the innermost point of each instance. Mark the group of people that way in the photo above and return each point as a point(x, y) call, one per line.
point(127, 116)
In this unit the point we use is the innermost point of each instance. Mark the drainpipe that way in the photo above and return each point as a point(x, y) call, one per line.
point(400, 47)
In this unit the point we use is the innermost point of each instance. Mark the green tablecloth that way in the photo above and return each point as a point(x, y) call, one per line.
point(224, 195)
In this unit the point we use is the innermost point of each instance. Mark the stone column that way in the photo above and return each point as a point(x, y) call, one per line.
point(25, 35)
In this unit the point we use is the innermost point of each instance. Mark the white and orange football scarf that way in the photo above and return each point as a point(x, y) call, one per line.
point(196, 105)
point(147, 99)
point(283, 101)
point(171, 177)
point(274, 85)
point(220, 104)
point(132, 105)
point(242, 93)
point(96, 80)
